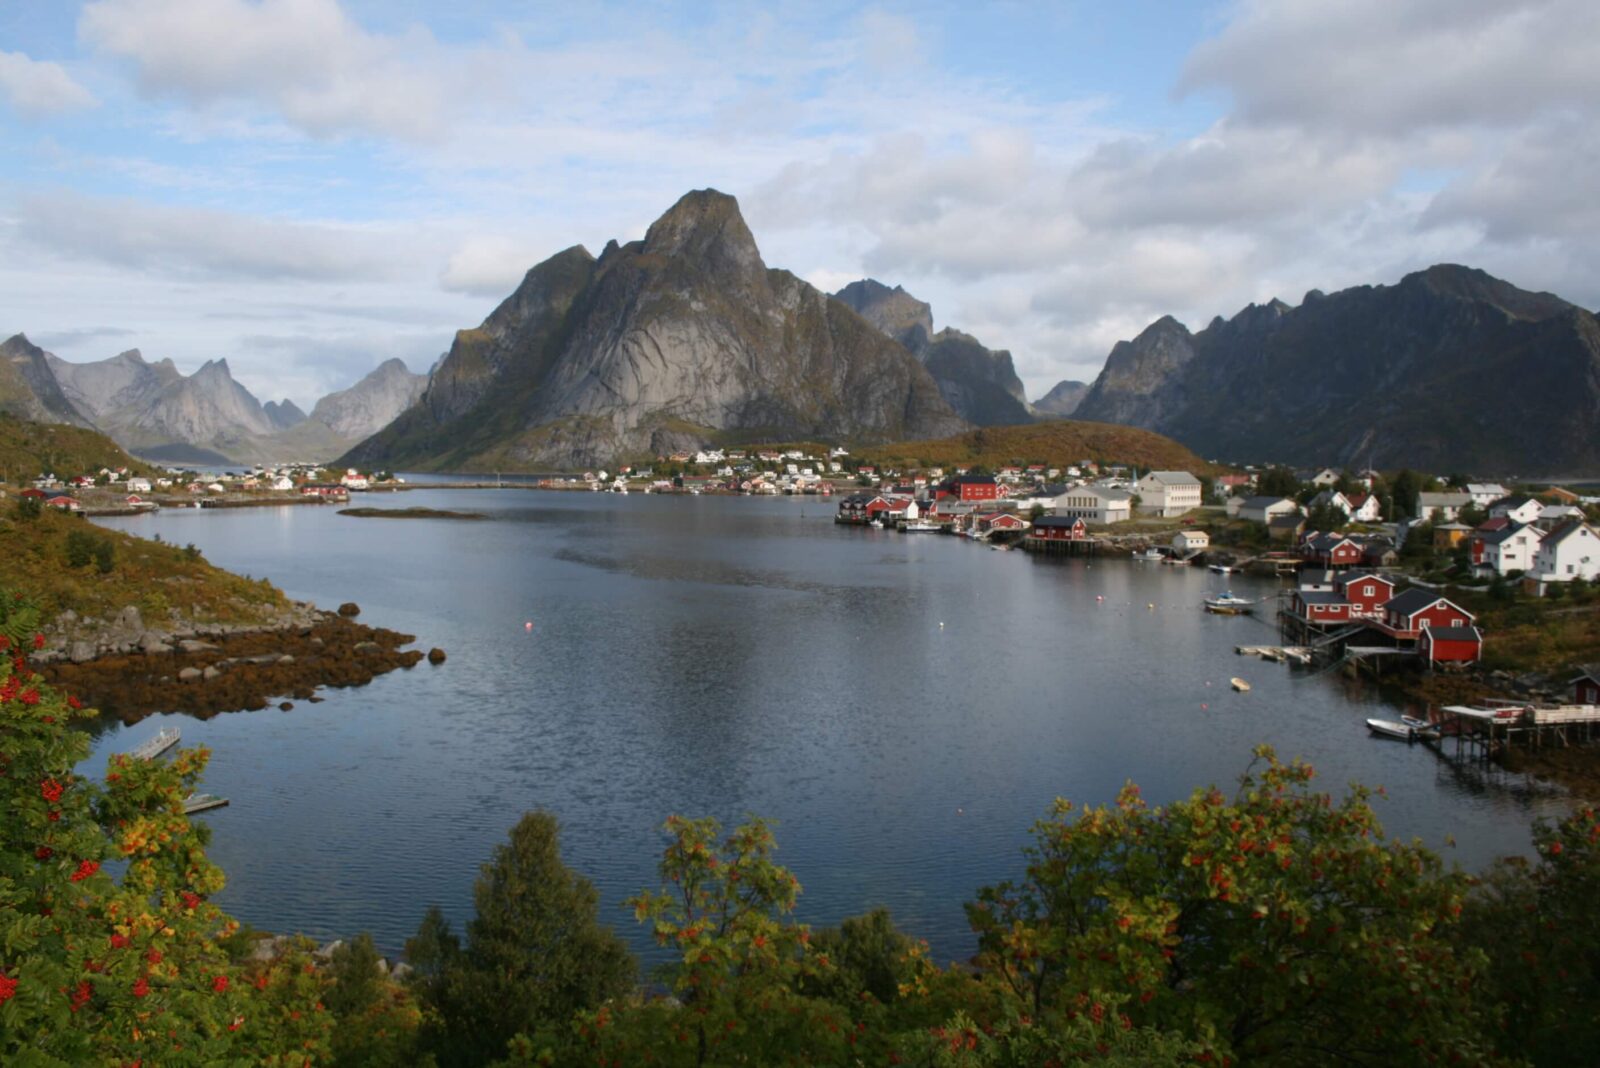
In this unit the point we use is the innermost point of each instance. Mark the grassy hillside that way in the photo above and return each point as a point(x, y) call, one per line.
point(154, 577)
point(29, 449)
point(1057, 443)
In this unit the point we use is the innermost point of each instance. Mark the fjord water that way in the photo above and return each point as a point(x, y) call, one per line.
point(904, 706)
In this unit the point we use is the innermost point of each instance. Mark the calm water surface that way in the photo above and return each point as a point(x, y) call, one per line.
point(725, 657)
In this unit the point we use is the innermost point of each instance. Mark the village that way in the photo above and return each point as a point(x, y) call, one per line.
point(1373, 567)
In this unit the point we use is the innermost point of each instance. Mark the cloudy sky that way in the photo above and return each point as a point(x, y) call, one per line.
point(308, 187)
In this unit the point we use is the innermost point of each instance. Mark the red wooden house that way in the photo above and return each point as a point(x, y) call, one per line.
point(36, 494)
point(1000, 522)
point(1331, 550)
point(1316, 606)
point(1060, 528)
point(1451, 645)
point(1408, 614)
point(969, 488)
point(1586, 687)
point(65, 503)
point(1367, 594)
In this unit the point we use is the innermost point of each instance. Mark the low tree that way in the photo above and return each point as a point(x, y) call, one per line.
point(535, 952)
point(1276, 927)
point(111, 951)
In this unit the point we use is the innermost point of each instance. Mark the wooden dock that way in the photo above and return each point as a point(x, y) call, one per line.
point(1483, 733)
point(202, 803)
point(150, 748)
point(1279, 653)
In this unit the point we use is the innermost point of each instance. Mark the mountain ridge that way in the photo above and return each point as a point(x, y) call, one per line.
point(1448, 369)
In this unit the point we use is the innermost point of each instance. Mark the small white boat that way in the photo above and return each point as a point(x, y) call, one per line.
point(1239, 684)
point(1226, 604)
point(920, 527)
point(1150, 554)
point(1221, 569)
point(876, 523)
point(1388, 728)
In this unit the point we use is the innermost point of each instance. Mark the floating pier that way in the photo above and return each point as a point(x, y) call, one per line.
point(1484, 733)
point(150, 748)
point(202, 803)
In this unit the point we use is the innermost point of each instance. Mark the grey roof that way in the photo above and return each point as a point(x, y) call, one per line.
point(1495, 537)
point(1568, 528)
point(1587, 671)
point(1415, 600)
point(1056, 521)
point(1174, 478)
point(1455, 634)
point(1286, 522)
point(1444, 500)
point(1262, 502)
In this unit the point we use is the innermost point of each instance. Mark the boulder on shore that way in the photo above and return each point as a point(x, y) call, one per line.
point(435, 655)
point(350, 608)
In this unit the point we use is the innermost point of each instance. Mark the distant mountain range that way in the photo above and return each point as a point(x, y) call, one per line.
point(668, 343)
point(1448, 370)
point(154, 411)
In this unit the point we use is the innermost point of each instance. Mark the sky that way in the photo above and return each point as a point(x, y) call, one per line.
point(306, 188)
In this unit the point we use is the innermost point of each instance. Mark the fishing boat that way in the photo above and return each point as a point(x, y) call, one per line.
point(1226, 604)
point(1239, 684)
point(1150, 554)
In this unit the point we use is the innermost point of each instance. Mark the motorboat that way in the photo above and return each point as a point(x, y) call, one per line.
point(1221, 569)
point(1239, 684)
point(1389, 728)
point(1226, 604)
point(1150, 554)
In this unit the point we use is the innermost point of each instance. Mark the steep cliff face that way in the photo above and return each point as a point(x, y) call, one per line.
point(372, 403)
point(682, 338)
point(1063, 399)
point(1448, 369)
point(29, 390)
point(980, 384)
point(105, 387)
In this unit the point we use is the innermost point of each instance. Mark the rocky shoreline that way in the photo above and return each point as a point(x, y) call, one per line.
point(206, 669)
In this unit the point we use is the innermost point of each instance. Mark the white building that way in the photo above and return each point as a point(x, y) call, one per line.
point(1484, 494)
point(1094, 504)
point(1511, 548)
point(1169, 493)
point(138, 485)
point(1185, 542)
point(1519, 509)
point(1570, 551)
point(1266, 509)
point(1445, 506)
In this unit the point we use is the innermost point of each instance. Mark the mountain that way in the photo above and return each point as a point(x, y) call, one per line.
point(29, 390)
point(683, 338)
point(980, 384)
point(124, 381)
point(1060, 442)
point(372, 403)
point(1449, 369)
point(1063, 398)
point(283, 414)
point(204, 418)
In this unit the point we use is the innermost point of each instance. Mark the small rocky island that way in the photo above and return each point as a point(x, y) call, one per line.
point(129, 672)
point(409, 513)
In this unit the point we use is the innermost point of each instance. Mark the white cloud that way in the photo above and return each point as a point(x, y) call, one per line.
point(490, 266)
point(1377, 67)
point(198, 243)
point(305, 59)
point(38, 88)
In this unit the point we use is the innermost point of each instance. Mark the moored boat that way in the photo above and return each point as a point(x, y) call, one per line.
point(920, 527)
point(1388, 728)
point(1239, 684)
point(1221, 569)
point(1226, 604)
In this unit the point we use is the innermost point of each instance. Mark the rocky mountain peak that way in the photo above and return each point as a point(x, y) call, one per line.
point(705, 227)
point(1453, 281)
point(1063, 398)
point(894, 311)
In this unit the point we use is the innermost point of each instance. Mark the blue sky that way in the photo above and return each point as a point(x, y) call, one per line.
point(308, 187)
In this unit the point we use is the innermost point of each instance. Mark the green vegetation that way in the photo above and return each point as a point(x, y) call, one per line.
point(29, 449)
point(60, 562)
point(1058, 443)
